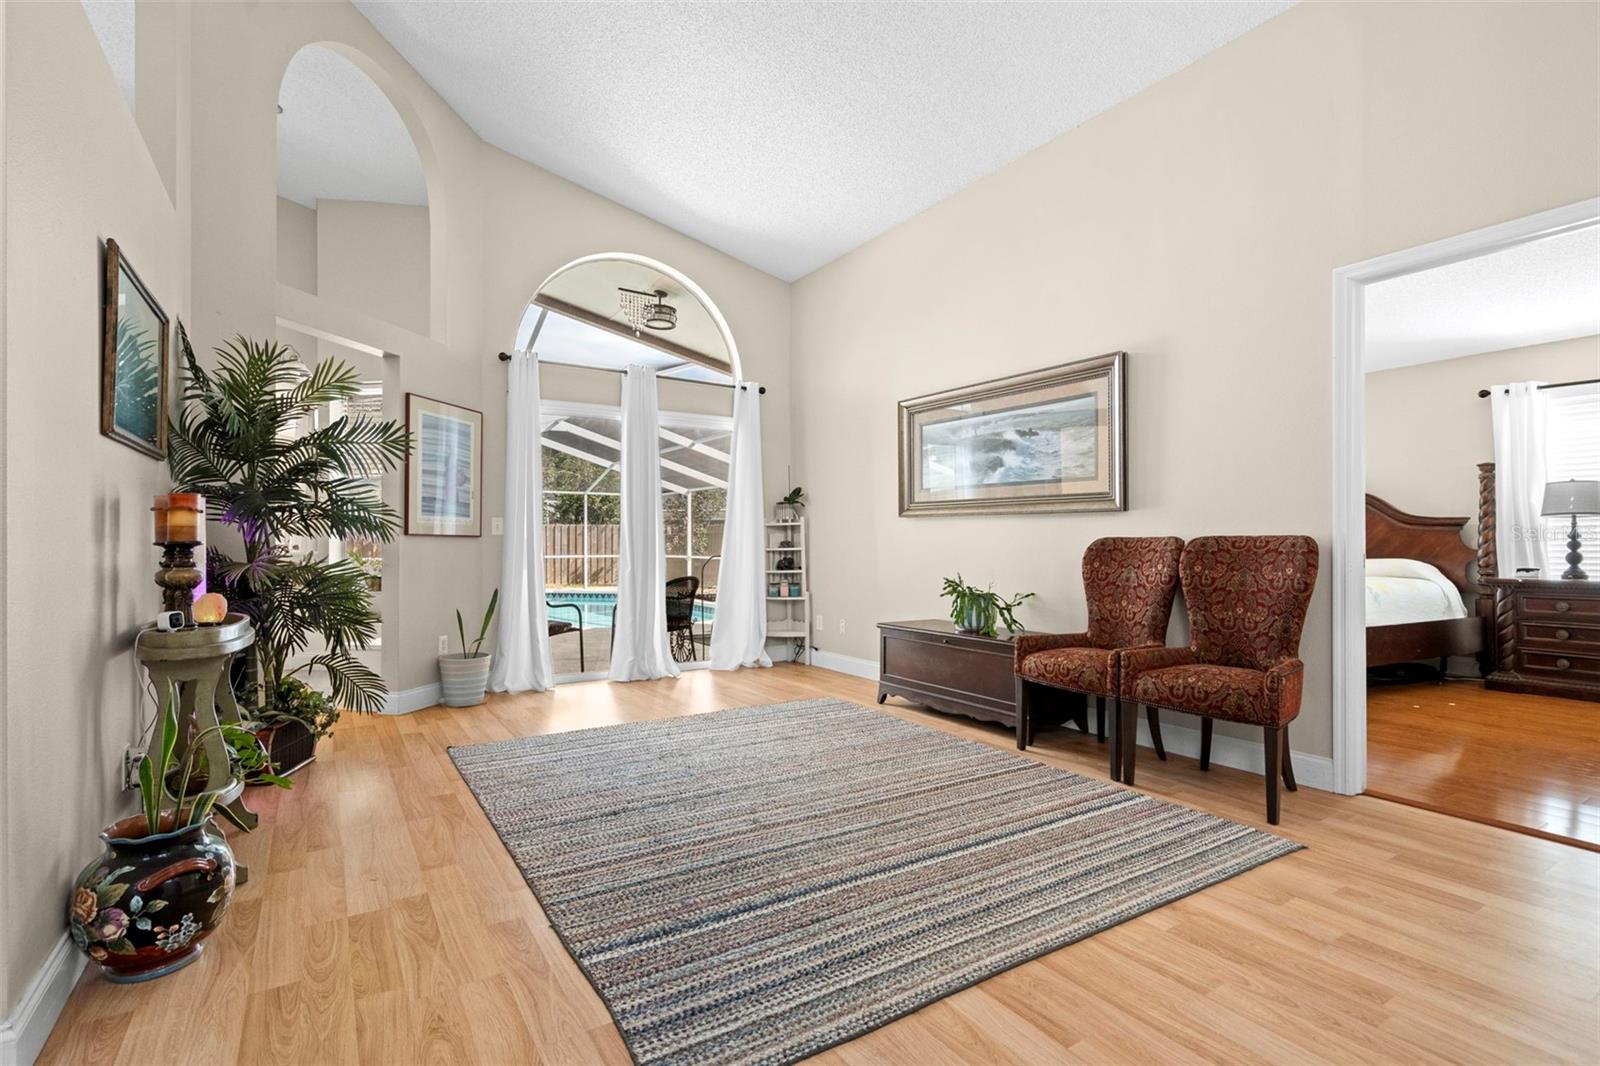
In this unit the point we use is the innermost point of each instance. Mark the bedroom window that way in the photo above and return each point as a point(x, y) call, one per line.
point(1572, 450)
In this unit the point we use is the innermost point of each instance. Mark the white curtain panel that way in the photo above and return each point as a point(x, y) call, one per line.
point(1519, 413)
point(739, 634)
point(640, 650)
point(522, 648)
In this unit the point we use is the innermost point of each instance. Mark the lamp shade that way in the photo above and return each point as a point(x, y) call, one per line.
point(1571, 497)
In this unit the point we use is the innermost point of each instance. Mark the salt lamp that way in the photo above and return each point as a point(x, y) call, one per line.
point(210, 609)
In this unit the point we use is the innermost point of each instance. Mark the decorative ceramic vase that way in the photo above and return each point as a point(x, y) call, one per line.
point(978, 617)
point(143, 908)
point(785, 512)
point(463, 679)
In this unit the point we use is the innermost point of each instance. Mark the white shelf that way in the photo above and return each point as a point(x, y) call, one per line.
point(793, 622)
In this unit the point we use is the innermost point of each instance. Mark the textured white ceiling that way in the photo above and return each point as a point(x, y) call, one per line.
point(1546, 290)
point(339, 138)
point(786, 134)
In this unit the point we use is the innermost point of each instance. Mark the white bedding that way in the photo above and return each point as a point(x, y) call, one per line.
point(1406, 590)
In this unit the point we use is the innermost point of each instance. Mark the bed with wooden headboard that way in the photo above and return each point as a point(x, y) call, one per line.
point(1437, 542)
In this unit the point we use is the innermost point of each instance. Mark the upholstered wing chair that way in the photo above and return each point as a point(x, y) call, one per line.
point(1246, 598)
point(1129, 583)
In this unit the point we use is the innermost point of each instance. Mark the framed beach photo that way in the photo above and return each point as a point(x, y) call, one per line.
point(1048, 440)
point(444, 469)
point(135, 338)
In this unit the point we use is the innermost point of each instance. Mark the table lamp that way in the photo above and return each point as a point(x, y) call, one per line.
point(1572, 497)
point(178, 518)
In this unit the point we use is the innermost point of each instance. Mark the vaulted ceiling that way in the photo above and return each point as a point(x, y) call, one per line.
point(786, 134)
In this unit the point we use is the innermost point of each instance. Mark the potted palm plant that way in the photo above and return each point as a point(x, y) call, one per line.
point(464, 678)
point(235, 441)
point(144, 908)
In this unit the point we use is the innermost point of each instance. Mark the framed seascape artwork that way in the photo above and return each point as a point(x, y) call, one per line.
point(444, 469)
point(133, 359)
point(1048, 440)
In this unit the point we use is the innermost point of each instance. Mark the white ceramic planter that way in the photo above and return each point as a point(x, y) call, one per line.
point(462, 680)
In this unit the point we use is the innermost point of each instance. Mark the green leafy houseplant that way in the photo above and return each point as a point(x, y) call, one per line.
point(235, 442)
point(483, 630)
point(796, 498)
point(976, 610)
point(160, 779)
point(297, 701)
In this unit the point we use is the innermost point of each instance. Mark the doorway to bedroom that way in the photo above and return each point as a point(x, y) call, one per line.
point(1479, 653)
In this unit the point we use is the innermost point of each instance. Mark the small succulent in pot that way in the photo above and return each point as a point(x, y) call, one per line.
point(975, 610)
point(144, 908)
point(464, 678)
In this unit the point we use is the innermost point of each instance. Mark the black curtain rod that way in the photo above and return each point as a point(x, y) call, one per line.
point(1484, 394)
point(505, 357)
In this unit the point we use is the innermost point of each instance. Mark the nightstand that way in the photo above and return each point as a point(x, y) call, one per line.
point(1546, 636)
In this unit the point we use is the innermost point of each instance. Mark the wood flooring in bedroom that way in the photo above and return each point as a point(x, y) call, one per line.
point(384, 923)
point(1526, 762)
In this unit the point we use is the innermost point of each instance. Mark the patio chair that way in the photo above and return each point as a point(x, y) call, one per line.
point(681, 592)
point(558, 628)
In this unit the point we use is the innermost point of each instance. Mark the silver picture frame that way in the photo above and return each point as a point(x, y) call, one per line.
point(1040, 442)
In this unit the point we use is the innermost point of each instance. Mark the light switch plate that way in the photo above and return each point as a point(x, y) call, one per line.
point(497, 526)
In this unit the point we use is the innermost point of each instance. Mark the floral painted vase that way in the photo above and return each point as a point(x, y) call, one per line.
point(142, 909)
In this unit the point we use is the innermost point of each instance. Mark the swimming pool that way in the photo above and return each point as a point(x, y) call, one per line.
point(598, 607)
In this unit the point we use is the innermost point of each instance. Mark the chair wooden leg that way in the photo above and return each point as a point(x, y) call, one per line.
point(1273, 742)
point(1154, 714)
point(1288, 761)
point(1116, 738)
point(1205, 743)
point(1023, 725)
point(1100, 719)
point(1127, 727)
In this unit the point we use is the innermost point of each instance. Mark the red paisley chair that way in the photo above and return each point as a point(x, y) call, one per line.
point(1129, 583)
point(1247, 599)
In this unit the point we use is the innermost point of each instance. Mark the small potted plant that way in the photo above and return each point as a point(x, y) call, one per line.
point(975, 610)
point(788, 509)
point(144, 908)
point(463, 678)
point(298, 716)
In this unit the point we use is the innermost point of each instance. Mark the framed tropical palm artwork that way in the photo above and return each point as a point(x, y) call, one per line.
point(1047, 440)
point(133, 359)
point(444, 469)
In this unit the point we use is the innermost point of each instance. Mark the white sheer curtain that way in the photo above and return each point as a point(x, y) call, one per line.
point(522, 647)
point(739, 635)
point(1519, 414)
point(640, 650)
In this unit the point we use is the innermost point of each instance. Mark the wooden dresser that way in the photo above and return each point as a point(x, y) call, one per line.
point(933, 663)
point(1546, 636)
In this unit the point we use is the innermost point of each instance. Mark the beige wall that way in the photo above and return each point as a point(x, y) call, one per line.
point(373, 258)
point(1195, 225)
point(78, 563)
point(1427, 428)
point(297, 245)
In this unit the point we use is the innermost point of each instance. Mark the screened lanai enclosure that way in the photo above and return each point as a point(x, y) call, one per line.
point(582, 527)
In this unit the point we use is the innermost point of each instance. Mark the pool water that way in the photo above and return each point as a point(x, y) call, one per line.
point(598, 607)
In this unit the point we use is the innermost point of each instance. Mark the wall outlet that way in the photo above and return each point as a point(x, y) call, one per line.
point(841, 625)
point(497, 526)
point(444, 645)
point(818, 626)
point(130, 769)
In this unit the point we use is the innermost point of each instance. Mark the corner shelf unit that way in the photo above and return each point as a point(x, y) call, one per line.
point(788, 612)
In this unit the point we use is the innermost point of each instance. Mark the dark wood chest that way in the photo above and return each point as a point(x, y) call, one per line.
point(1547, 637)
point(933, 663)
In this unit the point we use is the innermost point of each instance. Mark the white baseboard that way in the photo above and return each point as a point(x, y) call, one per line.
point(1313, 771)
point(412, 699)
point(845, 664)
point(22, 1035)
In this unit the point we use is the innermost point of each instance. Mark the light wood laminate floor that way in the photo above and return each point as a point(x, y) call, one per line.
point(384, 923)
point(1520, 761)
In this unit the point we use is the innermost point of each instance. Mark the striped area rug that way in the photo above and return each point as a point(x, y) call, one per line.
point(757, 885)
